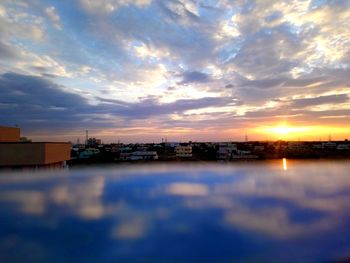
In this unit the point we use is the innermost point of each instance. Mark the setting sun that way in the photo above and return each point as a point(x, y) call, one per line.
point(281, 129)
point(285, 129)
point(289, 132)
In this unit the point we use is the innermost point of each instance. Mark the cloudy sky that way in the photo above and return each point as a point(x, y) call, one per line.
point(142, 70)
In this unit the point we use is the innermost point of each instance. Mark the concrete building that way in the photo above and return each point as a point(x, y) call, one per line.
point(9, 134)
point(329, 145)
point(244, 155)
point(144, 155)
point(259, 148)
point(125, 154)
point(225, 151)
point(88, 153)
point(14, 153)
point(297, 146)
point(93, 142)
point(183, 151)
point(343, 146)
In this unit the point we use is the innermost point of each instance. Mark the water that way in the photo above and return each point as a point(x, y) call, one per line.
point(269, 211)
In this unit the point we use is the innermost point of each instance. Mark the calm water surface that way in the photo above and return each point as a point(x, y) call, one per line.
point(273, 211)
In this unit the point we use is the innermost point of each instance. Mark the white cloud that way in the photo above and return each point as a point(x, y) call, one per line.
point(19, 25)
point(52, 14)
point(2, 11)
point(34, 64)
point(109, 6)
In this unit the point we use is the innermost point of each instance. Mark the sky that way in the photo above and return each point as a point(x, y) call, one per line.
point(143, 70)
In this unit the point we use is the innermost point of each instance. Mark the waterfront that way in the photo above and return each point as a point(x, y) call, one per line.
point(262, 211)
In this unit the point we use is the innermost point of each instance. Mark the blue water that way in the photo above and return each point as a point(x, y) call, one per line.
point(236, 212)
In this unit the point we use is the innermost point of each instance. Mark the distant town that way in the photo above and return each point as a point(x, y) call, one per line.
point(94, 151)
point(17, 151)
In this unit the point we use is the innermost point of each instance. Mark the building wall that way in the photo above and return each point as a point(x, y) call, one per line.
point(17, 154)
point(9, 134)
point(57, 152)
point(36, 154)
point(183, 151)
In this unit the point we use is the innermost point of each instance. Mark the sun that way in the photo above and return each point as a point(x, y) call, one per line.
point(283, 130)
point(286, 131)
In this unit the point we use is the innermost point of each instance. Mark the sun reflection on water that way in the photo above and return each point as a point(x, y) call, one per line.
point(284, 161)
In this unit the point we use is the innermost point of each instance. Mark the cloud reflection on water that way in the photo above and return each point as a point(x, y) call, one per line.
point(133, 228)
point(260, 199)
point(187, 189)
point(28, 202)
point(83, 199)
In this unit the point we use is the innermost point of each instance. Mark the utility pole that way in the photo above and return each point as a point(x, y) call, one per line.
point(87, 137)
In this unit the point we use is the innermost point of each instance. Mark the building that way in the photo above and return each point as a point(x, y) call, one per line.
point(88, 153)
point(225, 151)
point(183, 151)
point(343, 146)
point(259, 148)
point(9, 134)
point(243, 154)
point(329, 145)
point(14, 153)
point(125, 154)
point(144, 155)
point(93, 142)
point(297, 147)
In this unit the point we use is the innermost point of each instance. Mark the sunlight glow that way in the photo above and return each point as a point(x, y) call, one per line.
point(288, 132)
point(284, 161)
point(285, 129)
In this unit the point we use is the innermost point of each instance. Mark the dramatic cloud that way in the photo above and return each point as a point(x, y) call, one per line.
point(193, 77)
point(7, 52)
point(200, 68)
point(331, 99)
point(35, 102)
